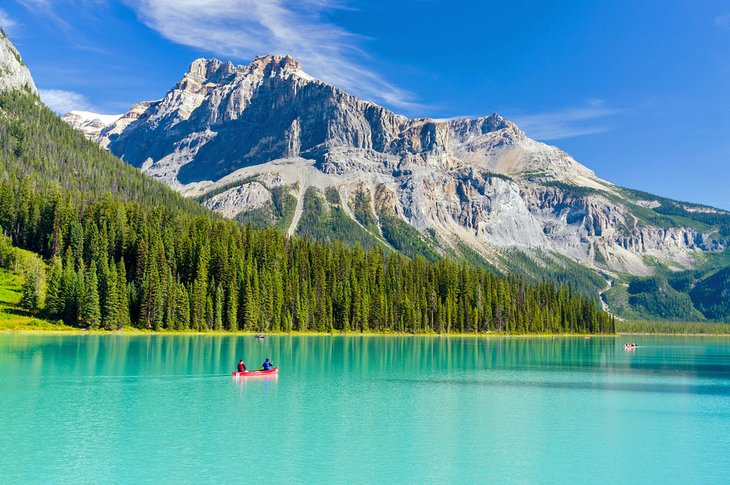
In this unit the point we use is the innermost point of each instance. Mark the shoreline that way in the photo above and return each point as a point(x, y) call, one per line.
point(130, 332)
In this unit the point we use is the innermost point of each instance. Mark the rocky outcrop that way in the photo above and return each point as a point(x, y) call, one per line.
point(249, 196)
point(13, 72)
point(90, 124)
point(475, 181)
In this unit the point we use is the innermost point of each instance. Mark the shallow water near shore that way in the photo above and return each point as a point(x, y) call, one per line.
point(349, 409)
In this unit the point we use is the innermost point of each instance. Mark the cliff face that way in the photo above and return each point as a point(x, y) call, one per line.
point(13, 72)
point(234, 134)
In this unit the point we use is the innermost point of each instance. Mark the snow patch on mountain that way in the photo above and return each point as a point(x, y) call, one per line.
point(479, 182)
point(88, 123)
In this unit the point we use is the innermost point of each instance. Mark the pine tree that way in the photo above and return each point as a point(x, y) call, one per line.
point(110, 306)
point(219, 300)
point(123, 289)
point(252, 298)
point(90, 311)
point(54, 290)
point(31, 291)
point(70, 290)
point(182, 308)
point(187, 268)
point(232, 307)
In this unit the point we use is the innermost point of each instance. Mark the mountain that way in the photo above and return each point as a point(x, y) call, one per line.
point(268, 144)
point(123, 249)
point(14, 74)
point(90, 124)
point(43, 153)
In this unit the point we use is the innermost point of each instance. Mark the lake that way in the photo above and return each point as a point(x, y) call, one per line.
point(395, 409)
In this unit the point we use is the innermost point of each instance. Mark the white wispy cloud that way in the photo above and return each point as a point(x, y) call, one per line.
point(569, 122)
point(6, 22)
point(245, 28)
point(48, 10)
point(62, 101)
point(722, 21)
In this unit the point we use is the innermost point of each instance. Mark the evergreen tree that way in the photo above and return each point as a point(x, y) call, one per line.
point(123, 289)
point(31, 291)
point(232, 307)
point(182, 308)
point(219, 300)
point(110, 306)
point(78, 207)
point(54, 290)
point(90, 311)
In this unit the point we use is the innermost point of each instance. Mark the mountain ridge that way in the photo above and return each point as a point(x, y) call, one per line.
point(232, 135)
point(13, 71)
point(125, 250)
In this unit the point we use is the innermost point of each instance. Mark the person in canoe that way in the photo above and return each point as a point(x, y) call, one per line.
point(267, 365)
point(241, 366)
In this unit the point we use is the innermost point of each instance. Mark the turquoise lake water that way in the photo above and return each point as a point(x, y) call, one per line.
point(165, 409)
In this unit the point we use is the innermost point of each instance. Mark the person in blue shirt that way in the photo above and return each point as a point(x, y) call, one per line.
point(267, 365)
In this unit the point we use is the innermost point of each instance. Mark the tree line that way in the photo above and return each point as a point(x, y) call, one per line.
point(151, 260)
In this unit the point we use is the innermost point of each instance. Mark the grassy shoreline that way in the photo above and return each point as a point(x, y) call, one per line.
point(45, 327)
point(14, 320)
point(642, 327)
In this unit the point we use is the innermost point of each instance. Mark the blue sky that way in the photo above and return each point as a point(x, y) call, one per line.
point(639, 91)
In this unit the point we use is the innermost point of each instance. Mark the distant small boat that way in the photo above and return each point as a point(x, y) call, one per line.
point(260, 337)
point(256, 373)
point(629, 346)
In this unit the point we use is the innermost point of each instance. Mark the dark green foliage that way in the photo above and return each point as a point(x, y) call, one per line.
point(541, 265)
point(89, 308)
point(363, 212)
point(7, 252)
point(672, 328)
point(672, 213)
point(473, 257)
point(54, 290)
point(655, 296)
point(405, 238)
point(259, 218)
point(277, 213)
point(682, 281)
point(598, 256)
point(332, 195)
point(199, 272)
point(31, 296)
point(487, 174)
point(325, 222)
point(696, 294)
point(712, 295)
point(571, 189)
point(284, 205)
point(179, 267)
point(37, 146)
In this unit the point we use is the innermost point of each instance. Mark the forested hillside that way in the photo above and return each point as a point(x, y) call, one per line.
point(41, 151)
point(124, 250)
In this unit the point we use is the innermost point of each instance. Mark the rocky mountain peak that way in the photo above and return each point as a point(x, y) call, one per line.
point(209, 71)
point(483, 125)
point(13, 72)
point(275, 63)
point(244, 135)
point(206, 74)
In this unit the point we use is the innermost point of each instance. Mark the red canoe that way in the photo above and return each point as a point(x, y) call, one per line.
point(256, 373)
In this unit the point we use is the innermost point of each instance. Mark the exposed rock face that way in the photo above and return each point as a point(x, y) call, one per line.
point(228, 203)
point(13, 73)
point(90, 124)
point(480, 182)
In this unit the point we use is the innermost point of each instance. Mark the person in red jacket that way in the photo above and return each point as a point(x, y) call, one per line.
point(241, 366)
